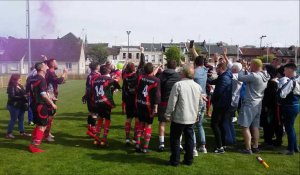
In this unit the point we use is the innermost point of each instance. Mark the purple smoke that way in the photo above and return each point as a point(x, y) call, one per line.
point(47, 17)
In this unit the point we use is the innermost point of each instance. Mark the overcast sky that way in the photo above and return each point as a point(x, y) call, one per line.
point(105, 21)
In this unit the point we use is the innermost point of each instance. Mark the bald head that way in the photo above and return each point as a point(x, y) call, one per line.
point(188, 71)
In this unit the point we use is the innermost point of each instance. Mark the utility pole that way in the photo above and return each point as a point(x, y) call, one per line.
point(28, 36)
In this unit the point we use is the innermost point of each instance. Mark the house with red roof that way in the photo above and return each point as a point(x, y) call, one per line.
point(67, 50)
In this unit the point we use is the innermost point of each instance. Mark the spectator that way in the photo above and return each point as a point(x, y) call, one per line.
point(269, 118)
point(221, 100)
point(17, 104)
point(230, 114)
point(167, 79)
point(184, 102)
point(290, 95)
point(249, 117)
point(209, 89)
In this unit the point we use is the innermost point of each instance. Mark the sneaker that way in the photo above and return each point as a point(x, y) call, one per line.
point(10, 136)
point(103, 144)
point(195, 152)
point(255, 150)
point(31, 124)
point(138, 149)
point(161, 148)
point(219, 151)
point(146, 150)
point(49, 139)
point(133, 141)
point(34, 149)
point(52, 136)
point(234, 119)
point(287, 152)
point(24, 134)
point(127, 141)
point(202, 150)
point(246, 151)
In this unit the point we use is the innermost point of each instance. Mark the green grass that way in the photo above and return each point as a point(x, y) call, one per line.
point(74, 153)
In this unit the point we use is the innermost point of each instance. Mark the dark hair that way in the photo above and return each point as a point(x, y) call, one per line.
point(291, 66)
point(171, 64)
point(38, 66)
point(223, 66)
point(13, 81)
point(280, 70)
point(148, 68)
point(199, 60)
point(93, 65)
point(271, 70)
point(130, 67)
point(49, 62)
point(104, 70)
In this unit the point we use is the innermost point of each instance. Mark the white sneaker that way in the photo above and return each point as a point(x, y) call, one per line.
point(195, 152)
point(202, 150)
point(127, 141)
point(133, 141)
point(49, 139)
point(52, 136)
point(181, 148)
point(10, 136)
point(234, 119)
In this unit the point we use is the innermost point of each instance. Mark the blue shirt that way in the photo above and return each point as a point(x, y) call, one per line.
point(201, 77)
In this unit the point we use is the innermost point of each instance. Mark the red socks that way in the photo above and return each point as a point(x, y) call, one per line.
point(140, 129)
point(37, 137)
point(49, 125)
point(106, 129)
point(147, 137)
point(127, 129)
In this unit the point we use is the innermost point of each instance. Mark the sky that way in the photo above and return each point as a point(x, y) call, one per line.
point(233, 22)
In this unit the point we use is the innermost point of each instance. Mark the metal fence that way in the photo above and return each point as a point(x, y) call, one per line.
point(5, 78)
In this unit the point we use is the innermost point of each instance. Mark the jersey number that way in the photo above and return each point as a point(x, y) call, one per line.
point(99, 91)
point(145, 91)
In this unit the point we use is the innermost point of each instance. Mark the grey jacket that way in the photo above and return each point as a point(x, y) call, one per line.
point(256, 83)
point(184, 102)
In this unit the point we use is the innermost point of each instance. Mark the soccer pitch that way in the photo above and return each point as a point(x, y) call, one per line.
point(74, 153)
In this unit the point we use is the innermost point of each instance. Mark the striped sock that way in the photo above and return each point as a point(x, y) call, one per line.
point(127, 129)
point(147, 137)
point(106, 130)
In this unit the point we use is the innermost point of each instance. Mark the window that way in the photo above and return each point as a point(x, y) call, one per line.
point(124, 55)
point(69, 66)
point(129, 55)
point(115, 57)
point(153, 58)
point(13, 67)
point(146, 58)
point(137, 55)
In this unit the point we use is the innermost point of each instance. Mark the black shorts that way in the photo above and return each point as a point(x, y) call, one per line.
point(144, 115)
point(40, 114)
point(51, 111)
point(103, 111)
point(130, 107)
point(90, 107)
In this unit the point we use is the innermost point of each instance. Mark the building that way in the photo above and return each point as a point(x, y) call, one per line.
point(68, 51)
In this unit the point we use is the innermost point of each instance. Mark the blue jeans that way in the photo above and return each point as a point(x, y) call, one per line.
point(228, 126)
point(200, 128)
point(289, 114)
point(15, 113)
point(30, 113)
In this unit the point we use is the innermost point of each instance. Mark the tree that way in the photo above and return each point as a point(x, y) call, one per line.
point(266, 59)
point(97, 53)
point(173, 53)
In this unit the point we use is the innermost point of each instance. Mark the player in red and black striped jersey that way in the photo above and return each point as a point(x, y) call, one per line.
point(40, 104)
point(147, 100)
point(86, 99)
point(103, 88)
point(52, 83)
point(128, 96)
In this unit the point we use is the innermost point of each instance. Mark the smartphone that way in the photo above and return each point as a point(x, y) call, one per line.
point(191, 43)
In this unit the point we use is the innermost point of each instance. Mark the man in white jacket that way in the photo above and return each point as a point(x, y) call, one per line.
point(184, 103)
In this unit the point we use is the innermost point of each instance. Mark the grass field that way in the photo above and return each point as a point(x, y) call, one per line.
point(74, 153)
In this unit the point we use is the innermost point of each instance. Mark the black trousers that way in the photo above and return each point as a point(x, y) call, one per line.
point(175, 132)
point(272, 124)
point(217, 120)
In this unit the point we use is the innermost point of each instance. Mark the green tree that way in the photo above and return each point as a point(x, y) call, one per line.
point(173, 53)
point(97, 53)
point(266, 59)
